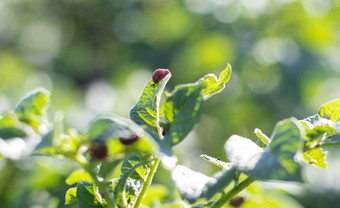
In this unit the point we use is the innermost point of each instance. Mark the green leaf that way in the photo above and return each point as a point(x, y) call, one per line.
point(315, 120)
point(11, 127)
point(262, 136)
point(110, 128)
point(316, 156)
point(277, 161)
point(107, 127)
point(140, 172)
point(32, 110)
point(189, 183)
point(126, 189)
point(318, 129)
point(331, 109)
point(214, 85)
point(183, 110)
point(71, 196)
point(216, 161)
point(87, 196)
point(78, 176)
point(11, 132)
point(107, 168)
point(193, 185)
point(146, 112)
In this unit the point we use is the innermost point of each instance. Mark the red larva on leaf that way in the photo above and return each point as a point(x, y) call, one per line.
point(98, 150)
point(129, 141)
point(159, 74)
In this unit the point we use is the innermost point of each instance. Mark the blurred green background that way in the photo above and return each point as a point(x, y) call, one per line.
point(95, 56)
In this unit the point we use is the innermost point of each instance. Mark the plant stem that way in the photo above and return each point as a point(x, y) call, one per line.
point(230, 194)
point(147, 183)
point(103, 189)
point(335, 144)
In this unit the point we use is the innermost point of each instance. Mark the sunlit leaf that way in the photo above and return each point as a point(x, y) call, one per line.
point(107, 127)
point(146, 111)
point(216, 161)
point(10, 126)
point(264, 138)
point(78, 176)
point(331, 109)
point(189, 183)
point(71, 196)
point(277, 161)
point(318, 129)
point(126, 189)
point(183, 110)
point(111, 129)
point(316, 156)
point(193, 185)
point(214, 85)
point(32, 109)
point(139, 172)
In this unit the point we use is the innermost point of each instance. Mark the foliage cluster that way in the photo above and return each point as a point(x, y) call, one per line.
point(159, 121)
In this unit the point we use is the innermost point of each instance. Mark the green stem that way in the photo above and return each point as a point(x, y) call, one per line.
point(324, 145)
point(147, 183)
point(230, 194)
point(103, 189)
point(335, 144)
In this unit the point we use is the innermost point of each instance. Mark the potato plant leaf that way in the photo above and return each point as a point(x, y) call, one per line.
point(78, 176)
point(138, 173)
point(316, 157)
point(189, 183)
point(277, 161)
point(146, 112)
point(214, 85)
point(264, 138)
point(318, 130)
point(183, 110)
point(106, 127)
point(216, 161)
point(32, 110)
point(110, 129)
point(87, 196)
point(193, 185)
point(126, 190)
point(11, 127)
point(331, 109)
point(71, 196)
